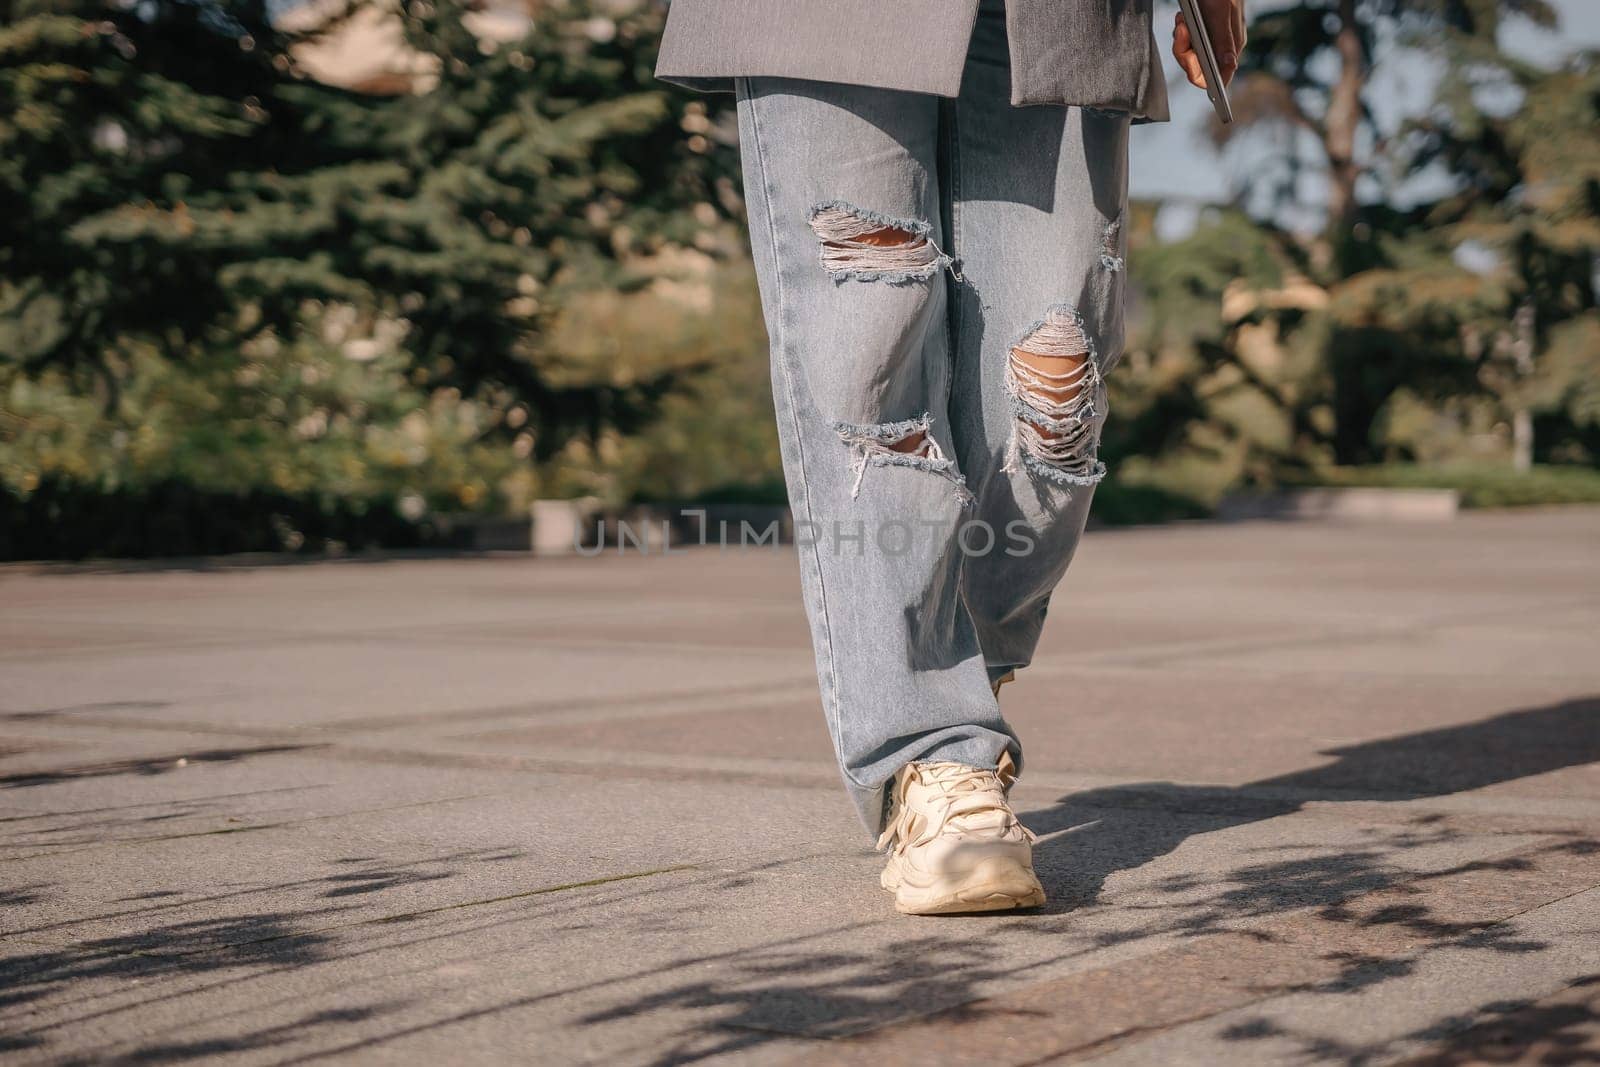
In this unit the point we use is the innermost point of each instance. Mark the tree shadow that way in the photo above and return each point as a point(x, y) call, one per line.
point(1559, 1029)
point(143, 765)
point(17, 896)
point(265, 1037)
point(152, 953)
point(65, 830)
point(45, 714)
point(1124, 827)
point(856, 977)
point(784, 990)
point(84, 979)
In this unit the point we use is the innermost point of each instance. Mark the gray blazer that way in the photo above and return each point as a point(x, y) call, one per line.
point(1093, 53)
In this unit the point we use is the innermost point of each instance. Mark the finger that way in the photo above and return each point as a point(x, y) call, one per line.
point(1229, 54)
point(1227, 50)
point(1181, 41)
point(1183, 51)
point(1192, 69)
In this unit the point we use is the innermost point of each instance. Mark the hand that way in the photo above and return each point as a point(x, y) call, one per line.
point(1225, 20)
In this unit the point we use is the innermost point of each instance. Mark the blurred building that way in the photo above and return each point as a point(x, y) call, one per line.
point(364, 49)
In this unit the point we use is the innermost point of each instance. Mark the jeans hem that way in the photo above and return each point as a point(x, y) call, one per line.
point(871, 800)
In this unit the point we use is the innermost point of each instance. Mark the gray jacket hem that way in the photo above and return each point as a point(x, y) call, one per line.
point(1064, 52)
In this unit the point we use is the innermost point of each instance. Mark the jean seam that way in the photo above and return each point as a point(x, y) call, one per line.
point(953, 132)
point(830, 698)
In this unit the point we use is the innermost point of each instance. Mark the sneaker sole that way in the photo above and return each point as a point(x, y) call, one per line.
point(992, 886)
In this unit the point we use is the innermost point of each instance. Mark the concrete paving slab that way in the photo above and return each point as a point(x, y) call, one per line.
point(846, 967)
point(1476, 912)
point(1322, 794)
point(315, 683)
point(674, 961)
point(1070, 721)
point(1561, 1028)
point(1399, 1008)
point(1448, 653)
point(396, 843)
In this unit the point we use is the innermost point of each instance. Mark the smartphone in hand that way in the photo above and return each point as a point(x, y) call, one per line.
point(1200, 37)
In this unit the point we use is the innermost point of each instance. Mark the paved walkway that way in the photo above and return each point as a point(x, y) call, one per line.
point(1306, 793)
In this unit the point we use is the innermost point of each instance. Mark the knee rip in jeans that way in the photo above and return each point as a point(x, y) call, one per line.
point(901, 444)
point(1053, 378)
point(868, 246)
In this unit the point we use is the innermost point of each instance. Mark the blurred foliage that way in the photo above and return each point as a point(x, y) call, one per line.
point(1480, 486)
point(1460, 330)
point(243, 308)
point(181, 186)
point(715, 437)
point(190, 219)
point(1307, 72)
point(300, 419)
point(64, 519)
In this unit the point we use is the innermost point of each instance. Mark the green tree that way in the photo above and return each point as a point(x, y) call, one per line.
point(1309, 66)
point(175, 185)
point(1200, 401)
point(114, 122)
point(1406, 322)
point(1526, 206)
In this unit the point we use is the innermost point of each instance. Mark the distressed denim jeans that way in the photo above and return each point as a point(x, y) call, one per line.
point(942, 283)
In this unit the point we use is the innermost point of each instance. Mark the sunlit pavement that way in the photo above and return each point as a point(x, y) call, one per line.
point(1306, 793)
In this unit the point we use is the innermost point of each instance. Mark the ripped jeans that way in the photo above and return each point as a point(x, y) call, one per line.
point(942, 282)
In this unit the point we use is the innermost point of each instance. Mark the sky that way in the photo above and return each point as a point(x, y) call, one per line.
point(1175, 161)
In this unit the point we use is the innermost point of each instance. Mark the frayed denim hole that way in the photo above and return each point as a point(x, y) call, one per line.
point(1055, 434)
point(907, 443)
point(846, 254)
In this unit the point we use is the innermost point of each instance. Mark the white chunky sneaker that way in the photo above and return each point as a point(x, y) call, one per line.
point(954, 843)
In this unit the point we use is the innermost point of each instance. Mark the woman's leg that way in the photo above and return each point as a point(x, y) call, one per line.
point(843, 195)
point(1037, 202)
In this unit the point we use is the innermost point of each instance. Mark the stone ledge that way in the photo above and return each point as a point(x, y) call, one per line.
point(1371, 504)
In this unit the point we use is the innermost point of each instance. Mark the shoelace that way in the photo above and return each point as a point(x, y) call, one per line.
point(963, 792)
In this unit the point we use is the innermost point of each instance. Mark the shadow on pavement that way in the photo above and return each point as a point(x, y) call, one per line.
point(1563, 1029)
point(784, 991)
point(1116, 830)
point(163, 957)
point(826, 982)
point(143, 765)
